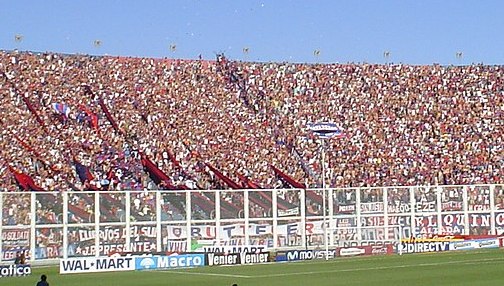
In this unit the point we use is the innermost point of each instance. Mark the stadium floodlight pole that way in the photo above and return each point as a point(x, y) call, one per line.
point(324, 218)
point(324, 130)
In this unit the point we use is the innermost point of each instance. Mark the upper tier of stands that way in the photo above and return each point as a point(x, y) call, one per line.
point(403, 124)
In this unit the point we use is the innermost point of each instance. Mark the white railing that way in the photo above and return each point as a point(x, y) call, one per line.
point(55, 225)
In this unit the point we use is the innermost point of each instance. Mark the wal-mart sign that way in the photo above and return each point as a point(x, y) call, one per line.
point(96, 264)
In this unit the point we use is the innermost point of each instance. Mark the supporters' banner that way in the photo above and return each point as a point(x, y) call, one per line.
point(396, 207)
point(173, 159)
point(376, 207)
point(288, 212)
point(230, 231)
point(499, 223)
point(96, 264)
point(452, 206)
point(452, 198)
point(426, 225)
point(49, 252)
point(112, 240)
point(478, 198)
point(49, 243)
point(452, 224)
point(346, 209)
point(425, 199)
point(479, 224)
point(15, 270)
point(14, 241)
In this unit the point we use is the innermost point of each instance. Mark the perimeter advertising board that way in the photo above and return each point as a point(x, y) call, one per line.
point(217, 259)
point(96, 264)
point(169, 261)
point(15, 270)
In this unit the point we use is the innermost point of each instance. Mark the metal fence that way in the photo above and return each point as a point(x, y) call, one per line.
point(47, 225)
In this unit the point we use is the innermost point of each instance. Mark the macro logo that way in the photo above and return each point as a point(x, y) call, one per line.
point(145, 263)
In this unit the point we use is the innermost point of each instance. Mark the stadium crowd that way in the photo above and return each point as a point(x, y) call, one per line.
point(77, 122)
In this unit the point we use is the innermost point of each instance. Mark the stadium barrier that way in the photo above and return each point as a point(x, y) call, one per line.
point(96, 224)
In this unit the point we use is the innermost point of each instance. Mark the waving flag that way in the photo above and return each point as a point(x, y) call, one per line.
point(24, 181)
point(61, 108)
point(83, 172)
point(93, 118)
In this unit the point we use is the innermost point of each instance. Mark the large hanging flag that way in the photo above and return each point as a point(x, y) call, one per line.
point(35, 113)
point(248, 183)
point(287, 179)
point(173, 159)
point(223, 177)
point(158, 176)
point(108, 115)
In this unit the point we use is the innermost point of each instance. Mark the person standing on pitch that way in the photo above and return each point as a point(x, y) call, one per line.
point(43, 281)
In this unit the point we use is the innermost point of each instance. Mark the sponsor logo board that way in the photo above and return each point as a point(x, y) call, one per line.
point(169, 261)
point(420, 247)
point(233, 249)
point(293, 255)
point(146, 263)
point(14, 270)
point(96, 264)
point(217, 259)
point(382, 249)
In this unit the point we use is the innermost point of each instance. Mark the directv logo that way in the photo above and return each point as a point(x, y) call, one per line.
point(144, 263)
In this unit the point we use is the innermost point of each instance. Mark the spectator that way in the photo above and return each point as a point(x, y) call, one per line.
point(405, 125)
point(43, 281)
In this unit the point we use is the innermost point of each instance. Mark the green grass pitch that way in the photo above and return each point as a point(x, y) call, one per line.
point(450, 268)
